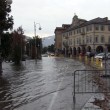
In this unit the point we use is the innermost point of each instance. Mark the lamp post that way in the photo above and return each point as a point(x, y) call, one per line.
point(35, 34)
point(20, 35)
point(8, 3)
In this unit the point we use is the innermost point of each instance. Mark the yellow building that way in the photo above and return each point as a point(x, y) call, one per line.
point(86, 36)
point(58, 37)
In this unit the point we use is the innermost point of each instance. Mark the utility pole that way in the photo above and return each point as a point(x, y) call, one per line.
point(35, 37)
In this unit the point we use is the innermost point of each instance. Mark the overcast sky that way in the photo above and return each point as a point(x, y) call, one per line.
point(53, 13)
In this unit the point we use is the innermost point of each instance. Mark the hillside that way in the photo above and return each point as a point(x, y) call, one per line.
point(46, 41)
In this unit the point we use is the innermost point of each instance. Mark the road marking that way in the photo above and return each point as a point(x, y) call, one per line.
point(55, 95)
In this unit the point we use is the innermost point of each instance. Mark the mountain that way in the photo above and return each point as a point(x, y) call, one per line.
point(46, 41)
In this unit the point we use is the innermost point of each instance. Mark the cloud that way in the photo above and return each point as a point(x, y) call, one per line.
point(53, 13)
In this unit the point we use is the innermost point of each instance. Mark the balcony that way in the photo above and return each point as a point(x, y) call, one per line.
point(82, 33)
point(83, 44)
point(66, 37)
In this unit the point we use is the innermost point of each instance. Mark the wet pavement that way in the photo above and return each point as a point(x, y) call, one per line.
point(43, 85)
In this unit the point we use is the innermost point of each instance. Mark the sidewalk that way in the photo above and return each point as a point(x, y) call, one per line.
point(90, 106)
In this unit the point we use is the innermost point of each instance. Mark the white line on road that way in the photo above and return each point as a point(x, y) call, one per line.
point(55, 95)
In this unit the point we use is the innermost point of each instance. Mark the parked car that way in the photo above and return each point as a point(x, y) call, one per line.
point(44, 55)
point(90, 54)
point(52, 54)
point(102, 56)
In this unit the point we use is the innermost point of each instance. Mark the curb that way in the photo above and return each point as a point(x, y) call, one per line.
point(90, 106)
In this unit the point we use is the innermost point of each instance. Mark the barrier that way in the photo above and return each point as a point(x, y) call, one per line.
point(91, 81)
point(98, 63)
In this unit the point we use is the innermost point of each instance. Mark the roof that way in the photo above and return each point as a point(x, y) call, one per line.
point(98, 20)
point(63, 28)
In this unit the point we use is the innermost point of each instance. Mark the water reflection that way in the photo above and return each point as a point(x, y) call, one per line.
point(19, 67)
point(5, 96)
point(31, 86)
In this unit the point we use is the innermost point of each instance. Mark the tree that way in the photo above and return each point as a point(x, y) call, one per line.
point(18, 43)
point(6, 22)
point(6, 44)
point(44, 50)
point(35, 47)
point(51, 48)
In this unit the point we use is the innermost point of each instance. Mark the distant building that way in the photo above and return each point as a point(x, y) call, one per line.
point(58, 36)
point(84, 36)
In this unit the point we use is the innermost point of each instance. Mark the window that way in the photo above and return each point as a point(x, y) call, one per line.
point(70, 42)
point(87, 28)
point(74, 32)
point(102, 28)
point(77, 41)
point(80, 30)
point(66, 34)
point(63, 35)
point(90, 39)
point(70, 33)
point(77, 31)
point(74, 41)
point(102, 39)
point(108, 27)
point(87, 40)
point(109, 39)
point(96, 39)
point(83, 30)
point(96, 27)
point(90, 27)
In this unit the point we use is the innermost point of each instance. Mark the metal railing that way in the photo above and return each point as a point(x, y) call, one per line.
point(91, 81)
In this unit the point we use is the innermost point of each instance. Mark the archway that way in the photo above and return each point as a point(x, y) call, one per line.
point(83, 50)
point(79, 50)
point(70, 50)
point(88, 49)
point(63, 52)
point(99, 49)
point(108, 48)
point(67, 52)
point(74, 51)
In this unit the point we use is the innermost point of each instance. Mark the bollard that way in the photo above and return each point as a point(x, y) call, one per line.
point(86, 59)
point(97, 61)
point(92, 61)
point(80, 57)
point(101, 64)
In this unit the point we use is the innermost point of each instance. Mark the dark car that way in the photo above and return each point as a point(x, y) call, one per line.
point(90, 54)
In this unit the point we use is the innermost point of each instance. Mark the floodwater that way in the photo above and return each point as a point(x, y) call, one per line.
point(43, 85)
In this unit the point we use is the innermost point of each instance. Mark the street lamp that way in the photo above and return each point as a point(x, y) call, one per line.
point(35, 28)
point(8, 2)
point(35, 35)
point(20, 35)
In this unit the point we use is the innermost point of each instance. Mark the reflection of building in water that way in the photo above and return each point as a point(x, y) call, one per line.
point(83, 36)
point(5, 97)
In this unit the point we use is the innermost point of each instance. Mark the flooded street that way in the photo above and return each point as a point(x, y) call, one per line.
point(43, 85)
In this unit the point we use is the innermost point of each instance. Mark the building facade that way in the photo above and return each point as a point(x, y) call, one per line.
point(58, 37)
point(86, 36)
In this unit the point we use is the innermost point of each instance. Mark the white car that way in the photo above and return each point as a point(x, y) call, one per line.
point(102, 56)
point(44, 55)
